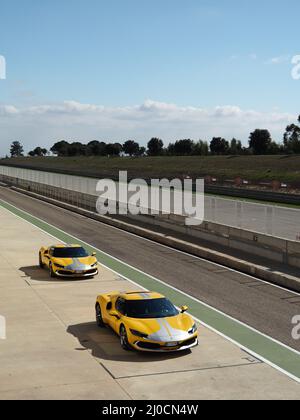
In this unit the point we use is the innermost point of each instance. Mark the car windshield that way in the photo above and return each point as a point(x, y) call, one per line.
point(77, 252)
point(152, 308)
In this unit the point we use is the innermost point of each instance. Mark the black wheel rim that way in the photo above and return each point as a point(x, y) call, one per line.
point(98, 315)
point(123, 337)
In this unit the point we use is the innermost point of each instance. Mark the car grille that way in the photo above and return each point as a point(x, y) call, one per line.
point(93, 271)
point(65, 273)
point(148, 346)
point(154, 346)
point(69, 273)
point(189, 342)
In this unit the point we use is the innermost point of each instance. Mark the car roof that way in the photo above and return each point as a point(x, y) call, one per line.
point(141, 295)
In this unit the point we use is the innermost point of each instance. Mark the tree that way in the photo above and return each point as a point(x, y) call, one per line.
point(141, 151)
point(113, 149)
point(131, 148)
point(16, 149)
point(38, 151)
point(291, 139)
point(219, 146)
point(170, 151)
point(260, 141)
point(60, 148)
point(155, 147)
point(200, 148)
point(76, 149)
point(96, 148)
point(183, 147)
point(274, 148)
point(235, 147)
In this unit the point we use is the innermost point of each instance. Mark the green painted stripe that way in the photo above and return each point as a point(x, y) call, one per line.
point(267, 349)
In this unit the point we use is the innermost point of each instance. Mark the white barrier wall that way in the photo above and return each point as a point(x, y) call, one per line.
point(67, 182)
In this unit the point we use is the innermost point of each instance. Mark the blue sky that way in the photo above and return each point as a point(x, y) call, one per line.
point(125, 68)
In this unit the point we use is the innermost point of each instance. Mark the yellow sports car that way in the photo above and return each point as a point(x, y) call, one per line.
point(68, 261)
point(146, 321)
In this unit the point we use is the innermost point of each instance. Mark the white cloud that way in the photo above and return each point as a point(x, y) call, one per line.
point(7, 110)
point(71, 120)
point(253, 56)
point(279, 60)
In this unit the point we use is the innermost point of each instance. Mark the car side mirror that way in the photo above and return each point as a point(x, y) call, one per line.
point(184, 309)
point(114, 314)
point(94, 254)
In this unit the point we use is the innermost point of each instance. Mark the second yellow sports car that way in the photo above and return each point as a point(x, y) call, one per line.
point(146, 321)
point(68, 261)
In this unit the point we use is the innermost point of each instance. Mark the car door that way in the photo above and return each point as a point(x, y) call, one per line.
point(46, 257)
point(120, 310)
point(106, 308)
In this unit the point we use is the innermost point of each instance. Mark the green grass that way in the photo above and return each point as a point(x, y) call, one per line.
point(253, 168)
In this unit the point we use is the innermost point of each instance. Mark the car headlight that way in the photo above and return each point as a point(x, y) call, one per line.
point(94, 265)
point(193, 329)
point(139, 334)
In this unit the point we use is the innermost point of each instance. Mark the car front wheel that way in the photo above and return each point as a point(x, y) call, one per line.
point(99, 319)
point(41, 261)
point(124, 339)
point(52, 274)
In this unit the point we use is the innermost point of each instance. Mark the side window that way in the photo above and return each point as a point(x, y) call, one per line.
point(120, 306)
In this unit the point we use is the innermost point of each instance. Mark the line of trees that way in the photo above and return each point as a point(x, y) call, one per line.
point(260, 143)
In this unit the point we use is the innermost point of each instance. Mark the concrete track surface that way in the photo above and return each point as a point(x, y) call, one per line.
point(54, 349)
point(260, 305)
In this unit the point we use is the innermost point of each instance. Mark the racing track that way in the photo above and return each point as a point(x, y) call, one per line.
point(267, 308)
point(54, 350)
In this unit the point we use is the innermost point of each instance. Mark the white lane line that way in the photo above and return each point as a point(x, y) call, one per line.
point(256, 355)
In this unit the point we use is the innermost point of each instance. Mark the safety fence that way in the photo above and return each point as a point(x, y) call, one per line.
point(271, 220)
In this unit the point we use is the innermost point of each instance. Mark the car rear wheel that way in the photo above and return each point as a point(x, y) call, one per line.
point(52, 274)
point(99, 319)
point(41, 261)
point(124, 339)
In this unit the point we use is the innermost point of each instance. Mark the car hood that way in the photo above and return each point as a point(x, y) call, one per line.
point(75, 263)
point(164, 329)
